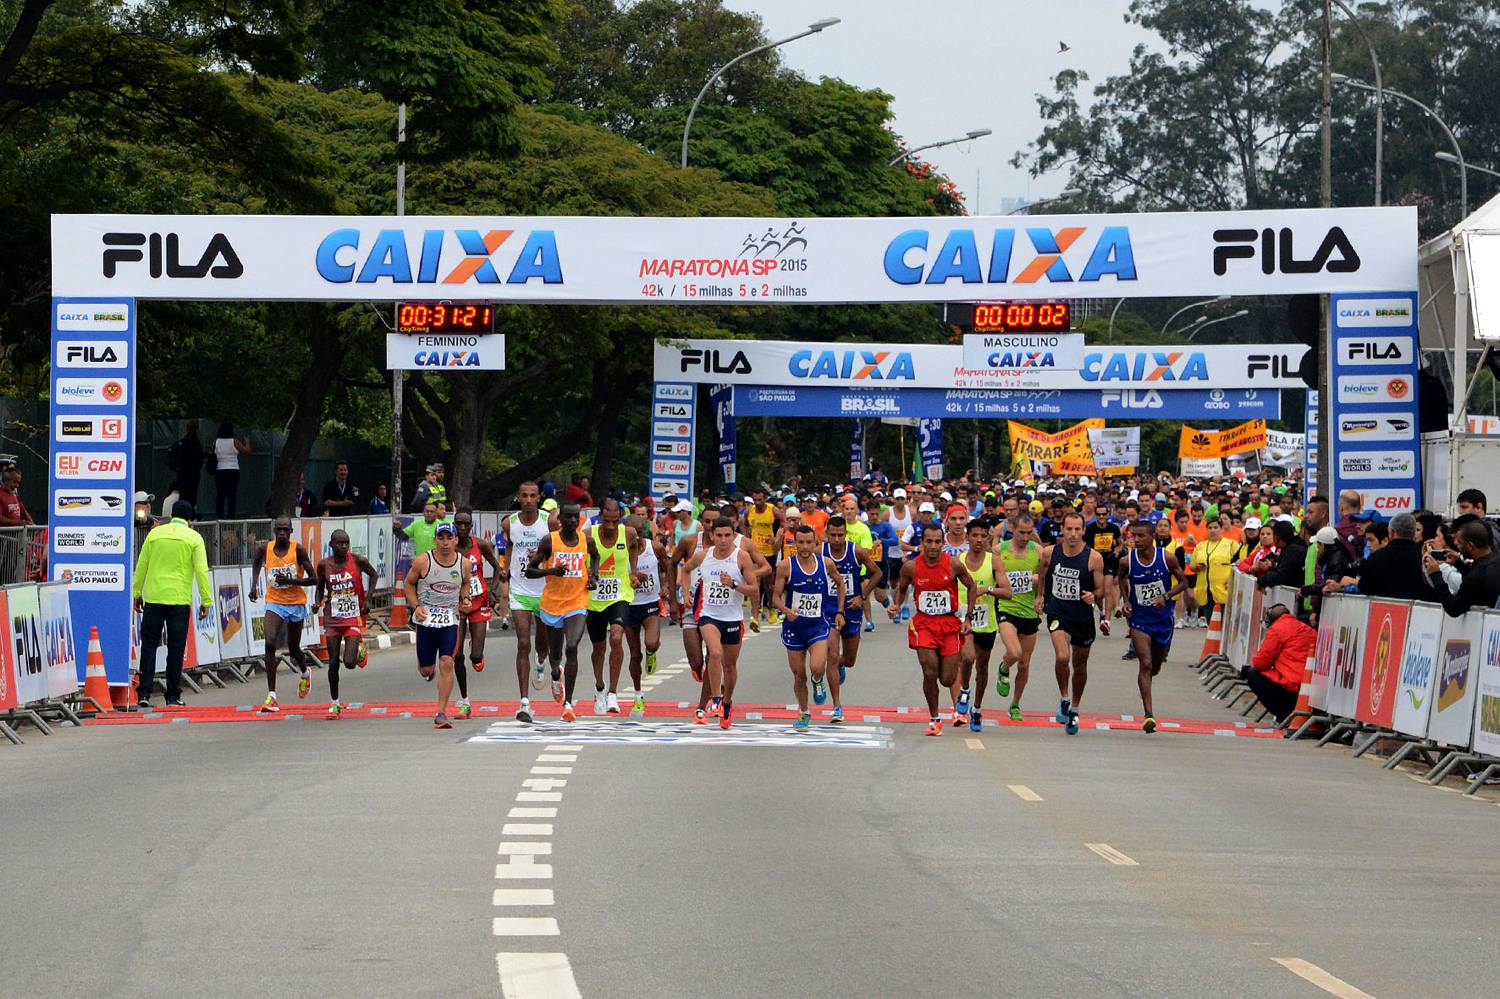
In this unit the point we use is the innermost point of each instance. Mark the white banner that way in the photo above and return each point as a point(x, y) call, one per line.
point(203, 637)
point(1347, 658)
point(59, 653)
point(1322, 665)
point(1115, 447)
point(1418, 679)
point(1486, 736)
point(914, 365)
point(719, 260)
point(1284, 450)
point(26, 632)
point(1452, 717)
point(382, 550)
point(455, 351)
point(1202, 468)
point(1016, 351)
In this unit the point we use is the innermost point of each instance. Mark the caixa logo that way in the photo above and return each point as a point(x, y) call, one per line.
point(343, 256)
point(1277, 251)
point(1146, 366)
point(908, 260)
point(856, 365)
point(163, 255)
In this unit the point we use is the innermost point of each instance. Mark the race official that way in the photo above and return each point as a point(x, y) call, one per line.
point(172, 560)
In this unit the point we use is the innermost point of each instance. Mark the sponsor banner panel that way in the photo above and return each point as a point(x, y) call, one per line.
point(1374, 402)
point(1486, 737)
point(454, 352)
point(722, 400)
point(715, 260)
point(1115, 447)
point(62, 657)
point(1333, 609)
point(1248, 436)
point(674, 407)
point(1458, 659)
point(8, 652)
point(1346, 658)
point(1385, 642)
point(1021, 351)
point(930, 440)
point(917, 404)
point(1418, 679)
point(229, 605)
point(27, 643)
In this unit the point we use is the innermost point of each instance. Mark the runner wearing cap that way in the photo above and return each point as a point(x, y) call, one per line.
point(956, 544)
point(886, 551)
point(980, 642)
point(762, 523)
point(437, 586)
point(1106, 538)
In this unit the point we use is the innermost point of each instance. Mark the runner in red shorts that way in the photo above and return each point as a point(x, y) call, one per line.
point(475, 624)
point(341, 597)
point(937, 630)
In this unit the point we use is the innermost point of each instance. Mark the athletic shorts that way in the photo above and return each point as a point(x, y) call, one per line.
point(435, 642)
point(525, 602)
point(984, 640)
point(804, 633)
point(553, 621)
point(934, 631)
point(354, 630)
point(853, 621)
point(599, 621)
point(892, 569)
point(635, 618)
point(481, 612)
point(1023, 625)
point(729, 631)
point(290, 613)
point(1080, 633)
point(1159, 634)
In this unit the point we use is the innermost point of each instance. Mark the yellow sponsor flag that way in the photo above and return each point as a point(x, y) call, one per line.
point(1248, 436)
point(1027, 444)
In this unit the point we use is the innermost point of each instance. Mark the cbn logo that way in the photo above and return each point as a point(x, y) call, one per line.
point(959, 257)
point(340, 259)
point(858, 365)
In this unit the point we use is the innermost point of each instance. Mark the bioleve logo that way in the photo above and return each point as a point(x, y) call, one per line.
point(906, 260)
point(340, 260)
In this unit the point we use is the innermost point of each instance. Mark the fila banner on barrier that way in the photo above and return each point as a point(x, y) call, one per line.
point(25, 609)
point(1347, 658)
point(718, 260)
point(7, 656)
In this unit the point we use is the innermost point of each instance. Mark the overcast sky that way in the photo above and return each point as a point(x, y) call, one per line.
point(958, 65)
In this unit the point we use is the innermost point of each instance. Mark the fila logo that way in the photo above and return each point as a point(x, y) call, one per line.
point(1277, 253)
point(164, 256)
point(713, 361)
point(1276, 365)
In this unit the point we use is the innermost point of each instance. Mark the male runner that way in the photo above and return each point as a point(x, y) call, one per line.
point(683, 595)
point(762, 566)
point(437, 585)
point(341, 597)
point(885, 549)
point(1072, 575)
point(569, 563)
point(726, 576)
point(980, 642)
point(643, 625)
point(762, 523)
point(609, 604)
point(804, 587)
point(288, 570)
point(1150, 579)
point(1104, 537)
point(859, 573)
point(524, 532)
point(475, 623)
point(935, 632)
point(1018, 616)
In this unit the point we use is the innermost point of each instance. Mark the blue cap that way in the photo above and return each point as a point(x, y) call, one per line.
point(444, 527)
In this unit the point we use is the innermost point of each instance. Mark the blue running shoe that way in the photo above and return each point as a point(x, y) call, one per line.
point(869, 625)
point(803, 722)
point(906, 613)
point(962, 705)
point(1072, 728)
point(838, 715)
point(1062, 713)
point(843, 673)
point(975, 722)
point(820, 692)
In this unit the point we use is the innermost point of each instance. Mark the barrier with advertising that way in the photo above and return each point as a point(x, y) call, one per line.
point(8, 678)
point(230, 605)
point(25, 609)
point(1347, 660)
point(255, 613)
point(59, 650)
point(1452, 719)
point(892, 403)
point(1418, 680)
point(1385, 642)
point(1329, 616)
point(1248, 436)
point(1486, 734)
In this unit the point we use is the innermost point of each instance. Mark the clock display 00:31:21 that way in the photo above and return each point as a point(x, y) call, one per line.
point(444, 317)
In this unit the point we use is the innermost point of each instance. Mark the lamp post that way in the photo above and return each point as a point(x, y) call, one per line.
point(1450, 158)
point(812, 29)
point(1379, 95)
point(1190, 326)
point(977, 133)
point(1067, 192)
point(1109, 337)
point(1194, 305)
point(1222, 319)
point(1458, 153)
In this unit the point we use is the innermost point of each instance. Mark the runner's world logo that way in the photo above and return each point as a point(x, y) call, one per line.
point(112, 317)
point(1377, 464)
point(89, 540)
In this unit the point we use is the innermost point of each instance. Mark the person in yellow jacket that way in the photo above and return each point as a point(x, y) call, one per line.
point(1213, 561)
point(172, 560)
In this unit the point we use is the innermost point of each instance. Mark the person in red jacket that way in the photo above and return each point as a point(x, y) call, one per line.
point(1276, 670)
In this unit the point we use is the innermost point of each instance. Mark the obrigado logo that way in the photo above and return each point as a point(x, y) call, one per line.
point(1146, 366)
point(342, 259)
point(858, 365)
point(908, 260)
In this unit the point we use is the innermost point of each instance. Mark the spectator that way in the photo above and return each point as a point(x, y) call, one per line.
point(379, 503)
point(1443, 553)
point(1350, 525)
point(1291, 563)
point(1259, 549)
point(185, 459)
point(1481, 583)
point(142, 515)
point(430, 489)
point(1395, 570)
point(171, 561)
point(339, 494)
point(1335, 569)
point(12, 510)
point(1315, 517)
point(1213, 562)
point(1376, 535)
point(1472, 503)
point(227, 451)
point(421, 533)
point(306, 504)
point(578, 491)
point(174, 493)
point(1276, 670)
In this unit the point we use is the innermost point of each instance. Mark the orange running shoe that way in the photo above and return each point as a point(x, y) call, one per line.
point(935, 727)
point(701, 718)
point(725, 710)
point(568, 714)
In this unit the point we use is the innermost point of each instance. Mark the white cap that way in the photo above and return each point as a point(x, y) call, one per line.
point(899, 493)
point(1286, 517)
point(141, 496)
point(1326, 536)
point(683, 506)
point(1135, 494)
point(927, 508)
point(1252, 523)
point(946, 496)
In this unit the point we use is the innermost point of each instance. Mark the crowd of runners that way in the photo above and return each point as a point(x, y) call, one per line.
point(974, 571)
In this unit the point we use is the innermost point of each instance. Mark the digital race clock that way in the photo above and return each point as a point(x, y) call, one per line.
point(1022, 317)
point(444, 317)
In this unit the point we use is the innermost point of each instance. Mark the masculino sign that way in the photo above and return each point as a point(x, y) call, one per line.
point(712, 260)
point(927, 403)
point(911, 365)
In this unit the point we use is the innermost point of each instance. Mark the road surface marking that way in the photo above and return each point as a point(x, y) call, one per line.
point(1320, 978)
point(525, 848)
point(556, 758)
point(536, 976)
point(533, 813)
point(1112, 855)
point(682, 733)
point(527, 829)
point(523, 896)
point(543, 783)
point(1027, 794)
point(973, 744)
point(551, 770)
point(523, 869)
point(525, 926)
point(558, 748)
point(539, 796)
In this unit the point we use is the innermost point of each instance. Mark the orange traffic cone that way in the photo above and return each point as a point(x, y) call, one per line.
point(95, 683)
point(398, 607)
point(123, 696)
point(1214, 640)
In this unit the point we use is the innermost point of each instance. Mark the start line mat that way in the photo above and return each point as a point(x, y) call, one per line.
point(658, 733)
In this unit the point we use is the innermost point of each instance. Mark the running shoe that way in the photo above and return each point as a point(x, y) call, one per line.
point(1062, 713)
point(478, 665)
point(612, 703)
point(601, 703)
point(638, 709)
point(1072, 726)
point(1015, 712)
point(803, 722)
point(697, 672)
point(1002, 682)
point(505, 624)
point(334, 710)
point(935, 727)
point(725, 710)
point(650, 663)
point(843, 674)
point(820, 692)
point(959, 720)
point(539, 677)
point(304, 684)
point(362, 659)
point(962, 707)
point(440, 720)
point(557, 689)
point(523, 713)
point(869, 625)
point(568, 715)
point(754, 624)
point(269, 705)
point(716, 707)
point(837, 718)
point(701, 718)
point(465, 711)
point(976, 720)
point(1129, 653)
point(1104, 627)
point(906, 613)
point(1149, 725)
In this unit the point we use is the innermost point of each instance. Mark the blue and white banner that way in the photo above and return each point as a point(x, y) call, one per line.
point(722, 398)
point(857, 451)
point(92, 471)
point(1310, 420)
point(1376, 447)
point(930, 438)
point(999, 404)
point(674, 410)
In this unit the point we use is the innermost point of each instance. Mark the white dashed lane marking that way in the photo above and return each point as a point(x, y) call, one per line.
point(1322, 979)
point(523, 896)
point(1025, 793)
point(1112, 855)
point(525, 926)
point(536, 976)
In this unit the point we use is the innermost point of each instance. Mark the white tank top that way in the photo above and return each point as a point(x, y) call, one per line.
point(226, 455)
point(901, 524)
point(649, 592)
point(718, 600)
point(521, 541)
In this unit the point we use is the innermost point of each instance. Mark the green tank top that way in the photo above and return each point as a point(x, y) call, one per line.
point(614, 572)
point(984, 607)
point(1019, 569)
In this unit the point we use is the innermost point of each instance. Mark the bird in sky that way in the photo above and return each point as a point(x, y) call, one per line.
point(1063, 47)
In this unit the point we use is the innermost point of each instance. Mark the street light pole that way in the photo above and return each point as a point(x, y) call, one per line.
point(1458, 153)
point(398, 377)
point(1222, 319)
point(1193, 305)
point(977, 133)
point(812, 29)
point(1379, 95)
point(1109, 337)
point(1067, 192)
point(1450, 158)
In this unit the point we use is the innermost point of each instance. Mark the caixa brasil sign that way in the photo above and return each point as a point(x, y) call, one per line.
point(752, 260)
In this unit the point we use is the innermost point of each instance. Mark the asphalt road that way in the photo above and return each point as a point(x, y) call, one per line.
point(376, 856)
